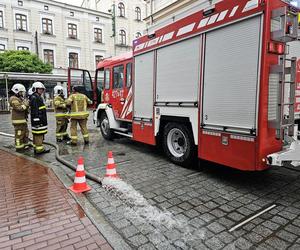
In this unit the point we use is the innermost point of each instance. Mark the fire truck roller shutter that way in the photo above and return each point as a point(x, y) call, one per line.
point(231, 76)
point(143, 86)
point(178, 72)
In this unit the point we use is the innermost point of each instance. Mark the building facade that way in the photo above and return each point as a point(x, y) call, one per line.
point(60, 34)
point(127, 20)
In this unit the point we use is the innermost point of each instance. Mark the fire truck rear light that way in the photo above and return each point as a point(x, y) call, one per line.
point(277, 48)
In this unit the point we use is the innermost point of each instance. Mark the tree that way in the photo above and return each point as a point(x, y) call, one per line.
point(22, 61)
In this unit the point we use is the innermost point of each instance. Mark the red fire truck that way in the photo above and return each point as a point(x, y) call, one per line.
point(220, 84)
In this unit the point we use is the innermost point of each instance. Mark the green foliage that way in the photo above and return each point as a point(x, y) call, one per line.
point(22, 61)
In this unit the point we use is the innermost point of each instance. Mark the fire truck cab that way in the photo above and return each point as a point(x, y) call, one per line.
point(222, 84)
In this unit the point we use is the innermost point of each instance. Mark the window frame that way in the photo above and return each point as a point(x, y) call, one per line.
point(77, 60)
point(97, 61)
point(20, 48)
point(2, 47)
point(138, 14)
point(107, 84)
point(48, 23)
point(49, 56)
point(113, 81)
point(73, 28)
point(98, 35)
point(127, 75)
point(22, 20)
point(121, 7)
point(1, 19)
point(122, 36)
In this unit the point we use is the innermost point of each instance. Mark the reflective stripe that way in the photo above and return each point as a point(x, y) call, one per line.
point(110, 161)
point(74, 137)
point(80, 168)
point(65, 133)
point(79, 179)
point(40, 132)
point(20, 146)
point(42, 107)
point(86, 136)
point(39, 148)
point(39, 128)
point(111, 171)
point(78, 113)
point(19, 132)
point(60, 114)
point(19, 121)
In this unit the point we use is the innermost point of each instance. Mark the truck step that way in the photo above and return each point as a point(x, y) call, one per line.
point(123, 130)
point(129, 135)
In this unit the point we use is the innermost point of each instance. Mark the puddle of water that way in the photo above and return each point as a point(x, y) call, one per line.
point(139, 210)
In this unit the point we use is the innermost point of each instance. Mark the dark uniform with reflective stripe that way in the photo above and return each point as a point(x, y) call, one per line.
point(19, 116)
point(38, 121)
point(79, 114)
point(60, 108)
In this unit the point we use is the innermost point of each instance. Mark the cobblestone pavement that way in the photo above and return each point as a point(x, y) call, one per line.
point(188, 208)
point(36, 211)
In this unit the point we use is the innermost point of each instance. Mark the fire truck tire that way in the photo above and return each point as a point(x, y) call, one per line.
point(178, 144)
point(105, 129)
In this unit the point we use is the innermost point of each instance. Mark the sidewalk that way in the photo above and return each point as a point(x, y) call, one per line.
point(37, 212)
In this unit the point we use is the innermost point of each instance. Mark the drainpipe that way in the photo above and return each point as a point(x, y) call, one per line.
point(36, 43)
point(6, 87)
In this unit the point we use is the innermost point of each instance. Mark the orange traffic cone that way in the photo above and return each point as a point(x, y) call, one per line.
point(111, 171)
point(80, 184)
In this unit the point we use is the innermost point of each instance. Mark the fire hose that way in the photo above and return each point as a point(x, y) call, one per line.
point(66, 163)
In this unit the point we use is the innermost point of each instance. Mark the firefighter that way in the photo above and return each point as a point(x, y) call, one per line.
point(38, 118)
point(61, 110)
point(19, 115)
point(78, 114)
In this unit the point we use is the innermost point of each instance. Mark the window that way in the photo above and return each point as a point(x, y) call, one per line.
point(49, 56)
point(98, 35)
point(97, 19)
point(98, 59)
point(128, 75)
point(47, 26)
point(138, 14)
point(1, 19)
point(2, 47)
point(20, 3)
point(72, 30)
point(138, 34)
point(21, 22)
point(118, 77)
point(22, 48)
point(122, 35)
point(71, 13)
point(73, 60)
point(107, 78)
point(121, 7)
point(46, 7)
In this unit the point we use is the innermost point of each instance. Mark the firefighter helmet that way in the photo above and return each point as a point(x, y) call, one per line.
point(30, 92)
point(37, 85)
point(17, 88)
point(58, 90)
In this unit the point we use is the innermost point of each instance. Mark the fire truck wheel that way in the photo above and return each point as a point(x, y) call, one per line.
point(178, 143)
point(106, 132)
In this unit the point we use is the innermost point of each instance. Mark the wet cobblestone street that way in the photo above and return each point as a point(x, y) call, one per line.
point(37, 212)
point(185, 208)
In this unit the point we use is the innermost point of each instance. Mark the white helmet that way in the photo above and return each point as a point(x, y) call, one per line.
point(37, 85)
point(30, 92)
point(17, 88)
point(58, 90)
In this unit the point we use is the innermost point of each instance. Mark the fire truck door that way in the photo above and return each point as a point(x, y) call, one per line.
point(81, 79)
point(119, 91)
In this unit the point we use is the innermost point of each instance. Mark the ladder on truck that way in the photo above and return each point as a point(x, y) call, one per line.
point(286, 23)
point(285, 117)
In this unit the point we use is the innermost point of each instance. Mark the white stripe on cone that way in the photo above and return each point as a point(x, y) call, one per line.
point(80, 168)
point(79, 179)
point(110, 161)
point(111, 171)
